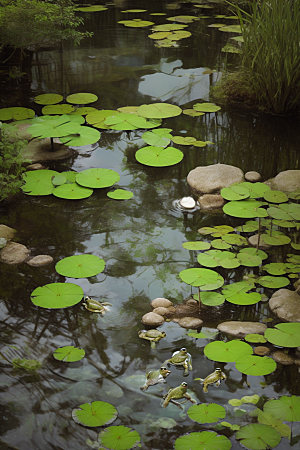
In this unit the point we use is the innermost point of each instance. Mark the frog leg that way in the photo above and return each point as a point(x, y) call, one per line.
point(205, 388)
point(217, 383)
point(176, 403)
point(106, 303)
point(152, 343)
point(188, 397)
point(190, 364)
point(186, 368)
point(145, 387)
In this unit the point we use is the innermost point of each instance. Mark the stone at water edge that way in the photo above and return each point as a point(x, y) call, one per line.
point(252, 176)
point(40, 260)
point(7, 232)
point(285, 304)
point(253, 242)
point(161, 311)
point(241, 329)
point(287, 181)
point(211, 201)
point(152, 319)
point(160, 301)
point(14, 253)
point(261, 350)
point(189, 322)
point(211, 179)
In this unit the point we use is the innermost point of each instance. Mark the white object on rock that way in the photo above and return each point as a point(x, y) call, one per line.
point(187, 202)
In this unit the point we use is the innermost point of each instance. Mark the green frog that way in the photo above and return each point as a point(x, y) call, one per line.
point(214, 378)
point(181, 358)
point(152, 336)
point(155, 376)
point(177, 393)
point(94, 306)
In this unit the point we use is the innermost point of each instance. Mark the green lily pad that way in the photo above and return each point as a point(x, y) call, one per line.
point(16, 113)
point(211, 298)
point(246, 209)
point(249, 260)
point(160, 137)
point(159, 110)
point(251, 399)
point(249, 227)
point(268, 419)
point(273, 282)
point(216, 231)
point(94, 414)
point(97, 178)
point(235, 402)
point(120, 194)
point(275, 196)
point(295, 246)
point(227, 351)
point(80, 266)
point(58, 109)
point(277, 238)
point(254, 252)
point(70, 175)
point(256, 190)
point(238, 288)
point(168, 27)
point(92, 8)
point(204, 440)
point(255, 338)
point(119, 438)
point(275, 268)
point(182, 18)
point(69, 353)
point(201, 143)
point(286, 408)
point(238, 38)
point(196, 245)
point(255, 365)
point(38, 182)
point(201, 277)
point(284, 334)
point(206, 413)
point(214, 258)
point(286, 211)
point(216, 25)
point(295, 195)
point(231, 29)
point(206, 107)
point(235, 193)
point(193, 113)
point(160, 35)
point(134, 10)
point(59, 179)
point(220, 244)
point(48, 99)
point(159, 156)
point(180, 140)
point(97, 118)
point(83, 136)
point(57, 295)
point(127, 121)
point(83, 111)
point(257, 436)
point(136, 23)
point(72, 191)
point(235, 239)
point(177, 35)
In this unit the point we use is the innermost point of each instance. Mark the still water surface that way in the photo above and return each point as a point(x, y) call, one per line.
point(140, 241)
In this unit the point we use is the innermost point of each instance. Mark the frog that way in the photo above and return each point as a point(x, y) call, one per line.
point(155, 376)
point(213, 378)
point(152, 336)
point(181, 358)
point(94, 306)
point(177, 393)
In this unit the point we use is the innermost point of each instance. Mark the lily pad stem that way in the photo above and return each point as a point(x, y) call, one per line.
point(259, 233)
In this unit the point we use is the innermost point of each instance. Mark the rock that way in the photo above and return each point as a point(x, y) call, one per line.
point(191, 302)
point(261, 350)
point(283, 358)
point(39, 150)
point(186, 309)
point(7, 232)
point(14, 253)
point(161, 311)
point(287, 181)
point(285, 304)
point(211, 179)
point(189, 322)
point(252, 176)
point(253, 242)
point(240, 329)
point(211, 201)
point(187, 202)
point(40, 260)
point(36, 166)
point(164, 302)
point(152, 319)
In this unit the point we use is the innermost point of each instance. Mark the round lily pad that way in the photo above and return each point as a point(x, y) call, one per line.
point(168, 27)
point(256, 190)
point(80, 266)
point(196, 245)
point(276, 268)
point(58, 109)
point(136, 23)
point(48, 99)
point(257, 436)
point(158, 138)
point(276, 238)
point(216, 231)
point(119, 438)
point(97, 118)
point(92, 8)
point(69, 353)
point(273, 282)
point(220, 244)
point(57, 295)
point(72, 191)
point(285, 211)
point(97, 178)
point(159, 156)
point(286, 408)
point(83, 110)
point(81, 98)
point(243, 298)
point(206, 413)
point(235, 239)
point(204, 440)
point(201, 277)
point(94, 414)
point(193, 112)
point(120, 194)
point(159, 110)
point(275, 196)
point(234, 193)
point(231, 29)
point(249, 260)
point(211, 298)
point(255, 365)
point(246, 209)
point(255, 338)
point(16, 113)
point(181, 140)
point(82, 136)
point(214, 258)
point(128, 121)
point(38, 182)
point(249, 227)
point(284, 334)
point(254, 252)
point(227, 351)
point(206, 107)
point(59, 179)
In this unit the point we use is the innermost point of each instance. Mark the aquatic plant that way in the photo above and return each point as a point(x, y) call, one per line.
point(94, 414)
point(69, 353)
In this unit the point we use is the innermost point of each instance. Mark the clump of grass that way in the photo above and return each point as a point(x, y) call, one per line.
point(270, 59)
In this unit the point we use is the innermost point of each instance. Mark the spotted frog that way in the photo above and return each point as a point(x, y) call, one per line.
point(152, 336)
point(181, 358)
point(214, 378)
point(177, 393)
point(155, 376)
point(94, 306)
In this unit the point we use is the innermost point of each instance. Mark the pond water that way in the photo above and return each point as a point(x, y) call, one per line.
point(139, 239)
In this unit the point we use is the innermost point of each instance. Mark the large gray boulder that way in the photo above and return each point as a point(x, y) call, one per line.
point(287, 181)
point(211, 179)
point(240, 329)
point(285, 304)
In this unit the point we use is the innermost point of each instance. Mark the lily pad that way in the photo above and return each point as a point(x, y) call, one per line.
point(211, 298)
point(216, 231)
point(59, 179)
point(220, 244)
point(159, 156)
point(257, 436)
point(160, 35)
point(120, 194)
point(196, 245)
point(92, 8)
point(275, 268)
point(57, 295)
point(275, 196)
point(268, 419)
point(254, 252)
point(255, 338)
point(246, 209)
point(80, 266)
point(97, 118)
point(38, 182)
point(160, 137)
point(206, 107)
point(214, 258)
point(159, 110)
point(284, 334)
point(235, 193)
point(69, 353)
point(168, 27)
point(243, 298)
point(204, 440)
point(206, 413)
point(249, 227)
point(136, 23)
point(205, 278)
point(235, 239)
point(72, 191)
point(286, 211)
point(256, 190)
point(83, 111)
point(48, 99)
point(181, 140)
point(83, 136)
point(286, 408)
point(58, 109)
point(273, 282)
point(193, 112)
point(255, 365)
point(97, 178)
point(249, 260)
point(94, 414)
point(119, 438)
point(231, 29)
point(16, 113)
point(227, 351)
point(276, 238)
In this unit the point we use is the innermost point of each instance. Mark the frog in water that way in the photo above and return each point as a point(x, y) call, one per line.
point(94, 306)
point(181, 358)
point(152, 336)
point(214, 378)
point(177, 393)
point(155, 376)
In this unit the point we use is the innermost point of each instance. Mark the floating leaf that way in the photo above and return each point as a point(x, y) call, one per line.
point(57, 295)
point(214, 258)
point(92, 8)
point(168, 27)
point(251, 399)
point(211, 298)
point(255, 365)
point(216, 231)
point(284, 334)
point(206, 107)
point(275, 268)
point(72, 191)
point(254, 252)
point(16, 113)
point(97, 118)
point(196, 245)
point(80, 266)
point(97, 178)
point(275, 196)
point(59, 179)
point(204, 440)
point(255, 338)
point(136, 23)
point(206, 413)
point(69, 353)
point(249, 227)
point(38, 182)
point(58, 109)
point(159, 156)
point(94, 414)
point(295, 195)
point(48, 99)
point(231, 29)
point(119, 438)
point(286, 408)
point(159, 110)
point(83, 136)
point(234, 193)
point(246, 209)
point(220, 244)
point(160, 137)
point(160, 35)
point(201, 143)
point(128, 121)
point(235, 239)
point(257, 436)
point(193, 112)
point(183, 140)
point(230, 48)
point(239, 287)
point(268, 419)
point(227, 351)
point(83, 111)
point(201, 277)
point(256, 190)
point(120, 194)
point(276, 238)
point(243, 298)
point(235, 402)
point(249, 260)
point(134, 10)
point(273, 282)
point(286, 211)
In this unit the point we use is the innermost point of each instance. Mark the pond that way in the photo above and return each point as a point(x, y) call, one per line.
point(139, 239)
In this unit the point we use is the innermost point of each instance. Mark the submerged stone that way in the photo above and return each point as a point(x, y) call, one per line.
point(241, 329)
point(152, 319)
point(283, 358)
point(161, 311)
point(14, 253)
point(40, 260)
point(211, 201)
point(261, 350)
point(189, 322)
point(211, 179)
point(285, 304)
